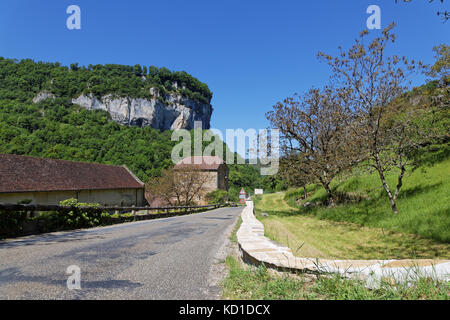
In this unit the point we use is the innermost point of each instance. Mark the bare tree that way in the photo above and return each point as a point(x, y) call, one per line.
point(189, 184)
point(445, 14)
point(162, 188)
point(315, 133)
point(178, 187)
point(386, 131)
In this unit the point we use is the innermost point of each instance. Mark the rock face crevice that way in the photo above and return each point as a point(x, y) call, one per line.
point(176, 112)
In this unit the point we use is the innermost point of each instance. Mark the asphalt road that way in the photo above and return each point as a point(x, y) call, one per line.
point(171, 258)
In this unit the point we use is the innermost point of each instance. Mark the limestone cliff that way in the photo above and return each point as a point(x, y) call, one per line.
point(172, 112)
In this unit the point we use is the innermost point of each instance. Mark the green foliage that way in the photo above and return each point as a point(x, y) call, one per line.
point(72, 202)
point(23, 79)
point(257, 284)
point(218, 196)
point(56, 129)
point(11, 223)
point(77, 218)
point(441, 68)
point(25, 201)
point(292, 226)
point(244, 176)
point(275, 183)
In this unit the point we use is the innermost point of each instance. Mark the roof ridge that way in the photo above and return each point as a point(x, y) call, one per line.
point(62, 160)
point(133, 175)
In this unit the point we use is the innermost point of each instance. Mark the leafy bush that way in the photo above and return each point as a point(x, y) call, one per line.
point(77, 218)
point(25, 201)
point(11, 223)
point(74, 203)
point(218, 196)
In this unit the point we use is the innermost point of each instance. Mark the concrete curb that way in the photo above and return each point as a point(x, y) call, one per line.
point(257, 249)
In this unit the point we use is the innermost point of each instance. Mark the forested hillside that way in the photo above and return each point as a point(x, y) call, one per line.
point(24, 79)
point(56, 128)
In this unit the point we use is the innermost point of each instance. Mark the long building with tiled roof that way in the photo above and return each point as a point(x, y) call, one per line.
point(49, 181)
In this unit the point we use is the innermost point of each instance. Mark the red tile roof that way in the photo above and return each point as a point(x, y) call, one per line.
point(29, 174)
point(199, 162)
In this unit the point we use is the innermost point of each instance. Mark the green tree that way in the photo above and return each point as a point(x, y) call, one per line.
point(441, 68)
point(138, 70)
point(217, 197)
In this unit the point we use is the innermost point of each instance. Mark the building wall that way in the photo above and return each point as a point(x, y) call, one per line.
point(117, 197)
point(42, 198)
point(212, 179)
point(209, 186)
point(216, 180)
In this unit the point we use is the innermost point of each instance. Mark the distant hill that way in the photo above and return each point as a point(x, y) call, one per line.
point(38, 116)
point(136, 95)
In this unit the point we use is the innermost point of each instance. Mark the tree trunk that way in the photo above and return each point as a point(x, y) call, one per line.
point(329, 193)
point(400, 181)
point(305, 195)
point(388, 190)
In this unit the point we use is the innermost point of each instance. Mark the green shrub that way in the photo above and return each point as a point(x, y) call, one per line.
point(217, 197)
point(49, 221)
point(77, 218)
point(11, 223)
point(25, 201)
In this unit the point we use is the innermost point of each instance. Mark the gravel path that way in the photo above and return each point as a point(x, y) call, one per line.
point(173, 258)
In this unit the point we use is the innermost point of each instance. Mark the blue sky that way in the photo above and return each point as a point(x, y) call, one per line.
point(251, 54)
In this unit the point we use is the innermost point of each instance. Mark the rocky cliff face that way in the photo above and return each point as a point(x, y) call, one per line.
point(44, 95)
point(177, 112)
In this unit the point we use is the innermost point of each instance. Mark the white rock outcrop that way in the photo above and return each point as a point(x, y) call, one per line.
point(178, 112)
point(44, 95)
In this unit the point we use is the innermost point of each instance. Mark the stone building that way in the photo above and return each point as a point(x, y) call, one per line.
point(214, 168)
point(49, 181)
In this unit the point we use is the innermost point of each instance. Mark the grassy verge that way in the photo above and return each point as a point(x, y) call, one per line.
point(309, 236)
point(245, 283)
point(233, 237)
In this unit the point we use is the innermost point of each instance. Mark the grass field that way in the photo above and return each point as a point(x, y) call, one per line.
point(309, 236)
point(423, 203)
point(362, 225)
